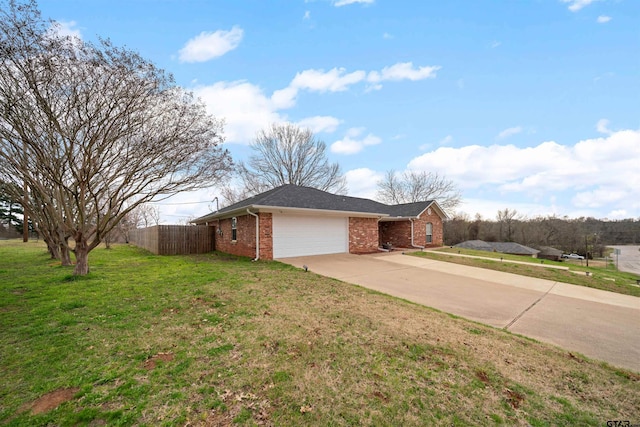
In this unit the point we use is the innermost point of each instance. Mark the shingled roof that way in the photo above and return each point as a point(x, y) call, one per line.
point(503, 247)
point(299, 197)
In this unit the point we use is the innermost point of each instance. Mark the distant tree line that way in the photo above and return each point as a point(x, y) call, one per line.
point(579, 235)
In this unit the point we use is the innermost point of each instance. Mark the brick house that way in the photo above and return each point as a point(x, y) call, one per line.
point(291, 220)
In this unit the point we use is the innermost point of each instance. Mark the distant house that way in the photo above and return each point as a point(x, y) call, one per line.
point(292, 220)
point(511, 248)
point(550, 253)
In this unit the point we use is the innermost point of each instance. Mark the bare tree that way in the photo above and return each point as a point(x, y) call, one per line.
point(414, 186)
point(143, 215)
point(95, 130)
point(288, 154)
point(507, 220)
point(149, 214)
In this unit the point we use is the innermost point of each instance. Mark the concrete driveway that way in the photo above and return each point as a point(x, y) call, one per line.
point(599, 324)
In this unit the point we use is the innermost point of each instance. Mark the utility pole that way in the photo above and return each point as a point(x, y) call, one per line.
point(586, 249)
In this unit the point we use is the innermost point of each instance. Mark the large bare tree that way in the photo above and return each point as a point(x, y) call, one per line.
point(507, 220)
point(414, 186)
point(288, 154)
point(95, 130)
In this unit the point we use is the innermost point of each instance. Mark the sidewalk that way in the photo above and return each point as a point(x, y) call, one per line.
point(535, 264)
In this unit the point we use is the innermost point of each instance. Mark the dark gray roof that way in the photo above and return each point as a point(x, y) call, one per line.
point(547, 250)
point(513, 248)
point(478, 245)
point(294, 196)
point(408, 209)
point(502, 247)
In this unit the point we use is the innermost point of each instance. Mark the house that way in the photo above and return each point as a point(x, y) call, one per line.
point(550, 253)
point(292, 220)
point(511, 248)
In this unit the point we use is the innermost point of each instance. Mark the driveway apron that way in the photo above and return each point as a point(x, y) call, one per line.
point(598, 324)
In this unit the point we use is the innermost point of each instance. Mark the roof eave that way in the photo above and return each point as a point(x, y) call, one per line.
point(443, 213)
point(282, 209)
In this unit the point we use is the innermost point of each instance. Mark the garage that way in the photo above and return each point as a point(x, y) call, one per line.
point(301, 235)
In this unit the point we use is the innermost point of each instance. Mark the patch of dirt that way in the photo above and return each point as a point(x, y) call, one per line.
point(51, 400)
point(236, 402)
point(151, 362)
point(380, 396)
point(482, 376)
point(514, 398)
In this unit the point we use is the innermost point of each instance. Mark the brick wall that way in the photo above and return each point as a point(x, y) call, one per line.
point(437, 229)
point(363, 235)
point(398, 233)
point(266, 236)
point(245, 244)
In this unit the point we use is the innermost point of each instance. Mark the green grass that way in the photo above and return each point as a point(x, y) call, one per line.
point(600, 276)
point(220, 340)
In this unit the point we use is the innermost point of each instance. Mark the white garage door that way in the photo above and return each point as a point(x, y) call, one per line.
point(298, 235)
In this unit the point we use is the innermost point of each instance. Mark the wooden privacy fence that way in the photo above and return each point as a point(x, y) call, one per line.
point(174, 239)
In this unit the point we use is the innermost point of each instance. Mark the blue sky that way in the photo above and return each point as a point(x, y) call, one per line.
point(531, 105)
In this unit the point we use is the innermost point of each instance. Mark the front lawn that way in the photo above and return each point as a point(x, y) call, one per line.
point(220, 340)
point(601, 276)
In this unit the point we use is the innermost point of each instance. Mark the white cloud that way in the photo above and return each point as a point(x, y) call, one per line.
point(362, 182)
point(402, 71)
point(603, 126)
point(510, 132)
point(246, 108)
point(182, 207)
point(307, 15)
point(603, 19)
point(334, 80)
point(319, 124)
point(489, 208)
point(387, 36)
point(353, 143)
point(339, 3)
point(606, 75)
point(66, 29)
point(618, 214)
point(209, 45)
point(284, 98)
point(576, 5)
point(242, 105)
point(443, 142)
point(339, 80)
point(371, 88)
point(599, 172)
point(446, 140)
point(598, 197)
point(495, 44)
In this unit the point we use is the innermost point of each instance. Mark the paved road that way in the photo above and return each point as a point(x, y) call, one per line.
point(629, 258)
point(602, 325)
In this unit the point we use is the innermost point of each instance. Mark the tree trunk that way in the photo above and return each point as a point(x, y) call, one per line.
point(81, 252)
point(52, 247)
point(54, 251)
point(64, 255)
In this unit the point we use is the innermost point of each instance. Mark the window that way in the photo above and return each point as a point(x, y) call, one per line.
point(234, 229)
point(429, 232)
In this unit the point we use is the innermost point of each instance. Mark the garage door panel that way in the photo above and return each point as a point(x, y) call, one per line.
point(309, 235)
